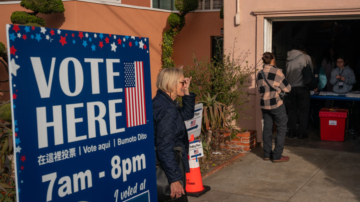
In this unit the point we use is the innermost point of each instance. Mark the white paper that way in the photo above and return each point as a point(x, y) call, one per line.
point(196, 149)
point(332, 122)
point(194, 125)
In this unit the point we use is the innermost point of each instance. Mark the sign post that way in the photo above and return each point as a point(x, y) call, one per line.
point(194, 185)
point(82, 116)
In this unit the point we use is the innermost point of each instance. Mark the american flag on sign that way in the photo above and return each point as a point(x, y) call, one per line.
point(134, 94)
point(196, 151)
point(193, 123)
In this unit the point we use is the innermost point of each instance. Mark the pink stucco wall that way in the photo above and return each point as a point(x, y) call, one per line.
point(249, 35)
point(195, 37)
point(145, 3)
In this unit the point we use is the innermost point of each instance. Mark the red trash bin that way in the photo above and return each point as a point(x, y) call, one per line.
point(333, 124)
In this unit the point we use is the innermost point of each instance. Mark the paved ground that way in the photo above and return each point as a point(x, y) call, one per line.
point(310, 175)
point(351, 143)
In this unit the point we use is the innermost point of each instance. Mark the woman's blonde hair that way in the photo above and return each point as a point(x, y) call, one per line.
point(168, 79)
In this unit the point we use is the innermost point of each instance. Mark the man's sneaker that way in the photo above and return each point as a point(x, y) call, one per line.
point(282, 159)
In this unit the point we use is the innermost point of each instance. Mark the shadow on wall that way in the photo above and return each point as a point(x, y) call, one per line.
point(247, 112)
point(55, 20)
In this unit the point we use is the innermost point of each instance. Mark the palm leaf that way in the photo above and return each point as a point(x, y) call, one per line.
point(212, 117)
point(206, 119)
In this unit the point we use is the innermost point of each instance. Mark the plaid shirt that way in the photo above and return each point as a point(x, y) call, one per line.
point(270, 98)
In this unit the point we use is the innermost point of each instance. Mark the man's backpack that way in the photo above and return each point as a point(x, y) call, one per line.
point(309, 80)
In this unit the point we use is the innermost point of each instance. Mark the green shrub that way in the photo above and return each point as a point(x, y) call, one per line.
point(44, 6)
point(175, 20)
point(32, 25)
point(3, 54)
point(20, 17)
point(5, 112)
point(167, 50)
point(222, 86)
point(228, 79)
point(2, 49)
point(185, 6)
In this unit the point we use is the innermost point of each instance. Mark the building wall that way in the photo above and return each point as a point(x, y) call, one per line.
point(249, 35)
point(95, 17)
point(114, 18)
point(195, 37)
point(144, 3)
point(63, 21)
point(126, 21)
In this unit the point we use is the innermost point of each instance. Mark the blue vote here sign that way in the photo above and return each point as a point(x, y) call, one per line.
point(82, 116)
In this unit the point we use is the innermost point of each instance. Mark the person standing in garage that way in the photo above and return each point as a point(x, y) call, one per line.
point(300, 95)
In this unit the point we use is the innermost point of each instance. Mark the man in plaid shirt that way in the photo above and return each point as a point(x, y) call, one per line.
point(272, 107)
point(270, 98)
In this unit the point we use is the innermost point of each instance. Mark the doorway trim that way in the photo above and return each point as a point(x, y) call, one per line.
point(264, 19)
point(309, 11)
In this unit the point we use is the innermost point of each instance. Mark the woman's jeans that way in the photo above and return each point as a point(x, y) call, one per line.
point(279, 116)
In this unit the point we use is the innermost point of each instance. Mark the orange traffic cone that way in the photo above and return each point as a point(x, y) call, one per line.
point(194, 185)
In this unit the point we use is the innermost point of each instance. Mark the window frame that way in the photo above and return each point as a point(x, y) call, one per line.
point(173, 9)
point(211, 6)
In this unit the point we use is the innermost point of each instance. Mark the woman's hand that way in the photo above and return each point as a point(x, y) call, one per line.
point(176, 189)
point(187, 85)
point(342, 78)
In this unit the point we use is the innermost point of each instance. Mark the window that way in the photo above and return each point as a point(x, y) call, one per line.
point(217, 4)
point(164, 4)
point(203, 4)
point(210, 4)
point(207, 4)
point(217, 48)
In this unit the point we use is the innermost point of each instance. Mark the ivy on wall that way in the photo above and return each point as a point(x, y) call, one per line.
point(176, 22)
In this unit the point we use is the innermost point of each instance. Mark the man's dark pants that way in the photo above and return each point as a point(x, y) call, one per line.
point(299, 109)
point(279, 116)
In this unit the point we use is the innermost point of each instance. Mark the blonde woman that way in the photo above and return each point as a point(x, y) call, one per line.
point(169, 127)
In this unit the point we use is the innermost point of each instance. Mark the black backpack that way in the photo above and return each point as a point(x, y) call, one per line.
point(308, 77)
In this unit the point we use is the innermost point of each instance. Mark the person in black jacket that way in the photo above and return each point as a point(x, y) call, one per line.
point(169, 127)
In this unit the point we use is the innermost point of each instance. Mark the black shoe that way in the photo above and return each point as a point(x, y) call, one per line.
point(302, 136)
point(291, 134)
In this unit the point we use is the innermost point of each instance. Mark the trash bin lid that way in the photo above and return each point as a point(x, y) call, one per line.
point(333, 113)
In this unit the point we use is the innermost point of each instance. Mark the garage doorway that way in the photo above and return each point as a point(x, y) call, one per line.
point(318, 36)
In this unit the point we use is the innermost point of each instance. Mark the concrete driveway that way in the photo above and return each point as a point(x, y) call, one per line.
point(310, 175)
